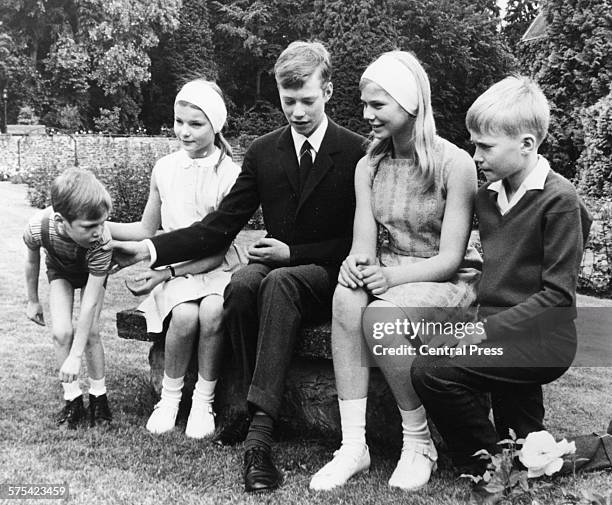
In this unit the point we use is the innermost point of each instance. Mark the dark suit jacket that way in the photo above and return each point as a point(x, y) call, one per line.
point(316, 224)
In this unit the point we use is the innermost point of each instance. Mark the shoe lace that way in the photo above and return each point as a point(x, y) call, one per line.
point(257, 456)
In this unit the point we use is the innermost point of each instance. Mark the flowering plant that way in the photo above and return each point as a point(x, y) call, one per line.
point(541, 455)
point(504, 479)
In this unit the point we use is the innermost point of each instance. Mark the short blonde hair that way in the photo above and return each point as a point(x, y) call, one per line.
point(77, 194)
point(512, 106)
point(299, 61)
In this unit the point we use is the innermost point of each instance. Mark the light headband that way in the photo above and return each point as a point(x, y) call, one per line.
point(396, 79)
point(203, 96)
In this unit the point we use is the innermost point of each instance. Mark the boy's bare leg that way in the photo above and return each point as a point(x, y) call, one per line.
point(94, 351)
point(61, 300)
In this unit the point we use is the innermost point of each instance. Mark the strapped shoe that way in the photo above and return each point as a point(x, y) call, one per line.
point(99, 410)
point(260, 474)
point(415, 466)
point(201, 421)
point(163, 417)
point(72, 413)
point(347, 462)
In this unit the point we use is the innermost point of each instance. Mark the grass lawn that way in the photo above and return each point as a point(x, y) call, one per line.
point(125, 464)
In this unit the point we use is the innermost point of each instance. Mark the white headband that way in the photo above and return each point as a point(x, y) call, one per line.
point(200, 94)
point(396, 79)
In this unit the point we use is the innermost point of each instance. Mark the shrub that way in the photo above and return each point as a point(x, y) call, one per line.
point(109, 121)
point(69, 118)
point(126, 179)
point(262, 118)
point(595, 163)
point(596, 268)
point(38, 180)
point(27, 115)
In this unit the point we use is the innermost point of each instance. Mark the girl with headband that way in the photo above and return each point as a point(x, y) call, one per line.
point(418, 189)
point(185, 186)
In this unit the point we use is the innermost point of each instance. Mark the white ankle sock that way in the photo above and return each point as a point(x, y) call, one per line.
point(204, 391)
point(97, 387)
point(414, 426)
point(72, 390)
point(353, 421)
point(172, 389)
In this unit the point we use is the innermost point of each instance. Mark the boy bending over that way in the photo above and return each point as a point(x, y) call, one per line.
point(72, 233)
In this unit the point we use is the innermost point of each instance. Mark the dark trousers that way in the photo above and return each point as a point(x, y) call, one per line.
point(263, 310)
point(451, 391)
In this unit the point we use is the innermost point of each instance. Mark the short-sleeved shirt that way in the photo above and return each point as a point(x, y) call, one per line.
point(64, 257)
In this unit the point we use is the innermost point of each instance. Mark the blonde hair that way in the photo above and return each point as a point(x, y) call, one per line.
point(424, 129)
point(511, 106)
point(220, 141)
point(299, 61)
point(77, 194)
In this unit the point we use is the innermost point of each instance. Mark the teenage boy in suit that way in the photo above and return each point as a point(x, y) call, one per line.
point(302, 176)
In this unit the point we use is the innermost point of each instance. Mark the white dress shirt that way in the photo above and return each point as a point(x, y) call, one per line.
point(535, 180)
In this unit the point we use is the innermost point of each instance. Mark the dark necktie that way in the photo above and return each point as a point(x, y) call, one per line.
point(305, 163)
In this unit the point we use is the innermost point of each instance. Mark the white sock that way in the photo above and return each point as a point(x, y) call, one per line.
point(353, 421)
point(97, 387)
point(172, 389)
point(414, 426)
point(204, 391)
point(72, 390)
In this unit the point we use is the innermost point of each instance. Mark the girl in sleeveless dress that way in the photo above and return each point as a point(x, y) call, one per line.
point(185, 187)
point(416, 190)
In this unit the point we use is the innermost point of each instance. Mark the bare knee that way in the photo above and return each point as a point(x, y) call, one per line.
point(347, 304)
point(211, 316)
point(375, 316)
point(62, 335)
point(185, 318)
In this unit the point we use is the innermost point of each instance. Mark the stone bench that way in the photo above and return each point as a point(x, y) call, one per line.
point(310, 401)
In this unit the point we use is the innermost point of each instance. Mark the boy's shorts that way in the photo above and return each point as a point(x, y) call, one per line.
point(76, 280)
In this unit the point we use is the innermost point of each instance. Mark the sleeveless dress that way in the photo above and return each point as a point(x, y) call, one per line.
point(411, 219)
point(189, 190)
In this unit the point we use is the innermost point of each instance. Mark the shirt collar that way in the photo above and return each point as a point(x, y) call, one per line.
point(315, 139)
point(535, 180)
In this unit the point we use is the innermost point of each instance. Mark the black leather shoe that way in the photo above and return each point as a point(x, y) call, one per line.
point(260, 474)
point(72, 413)
point(233, 433)
point(99, 409)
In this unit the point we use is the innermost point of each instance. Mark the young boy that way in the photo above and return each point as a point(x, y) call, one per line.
point(532, 228)
point(72, 232)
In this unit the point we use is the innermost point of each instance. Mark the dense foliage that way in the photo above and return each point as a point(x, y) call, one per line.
point(80, 53)
point(573, 66)
point(79, 63)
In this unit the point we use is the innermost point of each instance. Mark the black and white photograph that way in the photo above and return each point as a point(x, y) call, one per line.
point(306, 251)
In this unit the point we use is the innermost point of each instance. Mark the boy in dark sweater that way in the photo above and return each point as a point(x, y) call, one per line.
point(533, 227)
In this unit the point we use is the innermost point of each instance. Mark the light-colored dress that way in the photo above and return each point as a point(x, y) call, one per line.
point(411, 222)
point(189, 190)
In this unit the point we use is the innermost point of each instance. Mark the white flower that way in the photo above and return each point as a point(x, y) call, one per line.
point(542, 455)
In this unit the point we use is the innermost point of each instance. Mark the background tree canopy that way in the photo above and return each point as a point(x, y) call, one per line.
point(115, 66)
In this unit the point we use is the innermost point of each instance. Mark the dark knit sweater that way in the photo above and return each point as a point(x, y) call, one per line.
point(532, 256)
